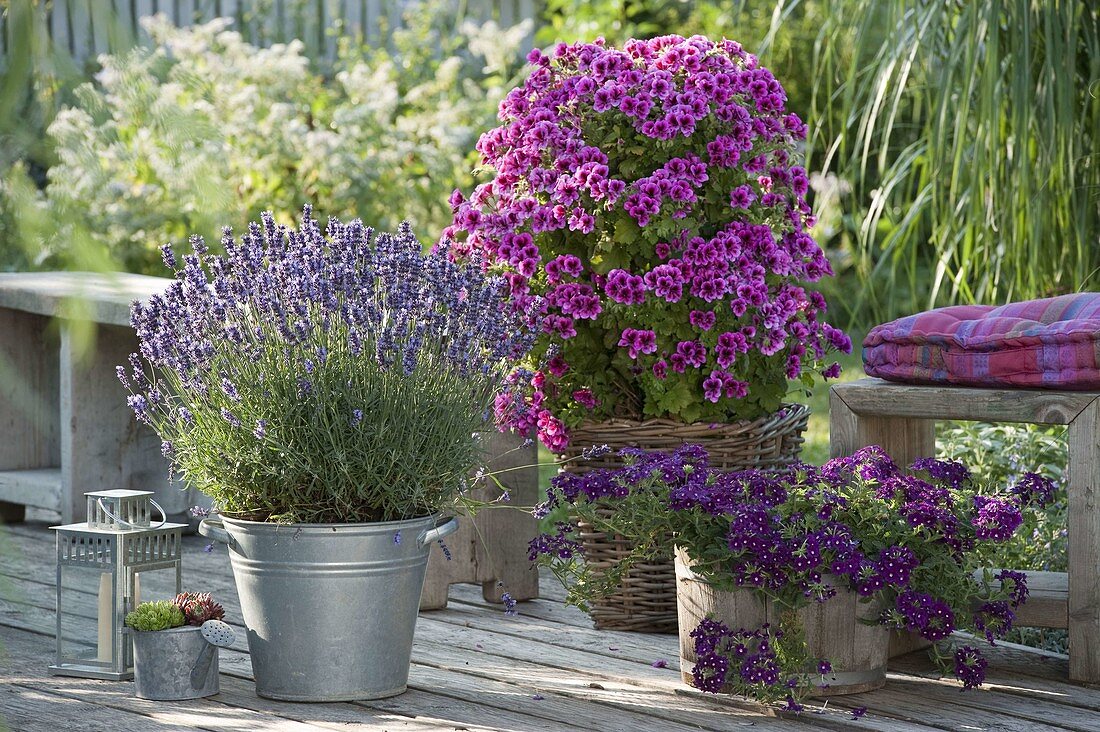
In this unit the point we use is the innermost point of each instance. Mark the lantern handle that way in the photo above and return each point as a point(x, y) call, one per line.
point(121, 522)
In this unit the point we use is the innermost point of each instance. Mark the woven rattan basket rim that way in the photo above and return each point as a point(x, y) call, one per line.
point(777, 422)
point(646, 600)
point(785, 411)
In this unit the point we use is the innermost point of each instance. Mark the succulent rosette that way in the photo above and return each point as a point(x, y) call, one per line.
point(198, 607)
point(651, 197)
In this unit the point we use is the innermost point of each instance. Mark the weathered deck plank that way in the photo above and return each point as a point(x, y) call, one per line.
point(31, 710)
point(476, 669)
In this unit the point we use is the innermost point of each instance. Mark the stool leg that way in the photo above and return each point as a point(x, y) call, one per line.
point(1084, 544)
point(904, 438)
point(29, 414)
point(491, 548)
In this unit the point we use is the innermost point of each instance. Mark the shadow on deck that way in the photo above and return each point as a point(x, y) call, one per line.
point(475, 668)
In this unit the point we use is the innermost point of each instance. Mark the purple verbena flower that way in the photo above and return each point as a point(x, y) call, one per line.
point(970, 667)
point(1034, 490)
point(996, 518)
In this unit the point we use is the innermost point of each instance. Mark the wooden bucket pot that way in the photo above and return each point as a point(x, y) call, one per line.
point(857, 652)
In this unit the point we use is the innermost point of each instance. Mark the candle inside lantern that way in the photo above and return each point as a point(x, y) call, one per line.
point(105, 616)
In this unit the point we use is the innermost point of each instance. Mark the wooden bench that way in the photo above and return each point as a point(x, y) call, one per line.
point(901, 418)
point(65, 427)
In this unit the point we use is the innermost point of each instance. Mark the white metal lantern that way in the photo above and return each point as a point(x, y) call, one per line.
point(101, 564)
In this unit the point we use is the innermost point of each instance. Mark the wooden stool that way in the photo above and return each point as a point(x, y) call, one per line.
point(491, 548)
point(901, 418)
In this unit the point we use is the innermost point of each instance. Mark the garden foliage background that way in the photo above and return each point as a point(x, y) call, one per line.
point(953, 145)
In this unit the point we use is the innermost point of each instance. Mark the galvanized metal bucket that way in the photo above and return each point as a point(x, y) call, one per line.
point(330, 608)
point(174, 664)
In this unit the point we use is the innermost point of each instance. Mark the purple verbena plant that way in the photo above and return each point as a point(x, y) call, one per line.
point(651, 195)
point(913, 543)
point(336, 376)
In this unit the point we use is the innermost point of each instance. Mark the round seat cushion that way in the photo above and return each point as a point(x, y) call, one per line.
point(1039, 344)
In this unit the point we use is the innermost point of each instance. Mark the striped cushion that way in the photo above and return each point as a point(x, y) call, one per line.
point(1039, 344)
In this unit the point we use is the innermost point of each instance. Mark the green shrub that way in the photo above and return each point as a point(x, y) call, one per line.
point(204, 130)
point(998, 454)
point(156, 615)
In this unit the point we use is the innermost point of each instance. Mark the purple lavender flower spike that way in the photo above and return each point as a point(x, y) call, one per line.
point(168, 256)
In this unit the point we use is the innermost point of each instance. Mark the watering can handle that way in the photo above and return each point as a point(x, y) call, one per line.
point(214, 529)
point(432, 535)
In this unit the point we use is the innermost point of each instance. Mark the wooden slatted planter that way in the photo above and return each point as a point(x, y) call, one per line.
point(834, 631)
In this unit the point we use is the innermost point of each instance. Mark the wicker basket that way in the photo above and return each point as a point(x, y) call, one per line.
point(646, 599)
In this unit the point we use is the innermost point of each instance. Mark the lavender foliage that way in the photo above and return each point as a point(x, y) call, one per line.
point(324, 376)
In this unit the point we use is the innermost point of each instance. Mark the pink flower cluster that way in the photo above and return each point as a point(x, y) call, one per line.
point(648, 194)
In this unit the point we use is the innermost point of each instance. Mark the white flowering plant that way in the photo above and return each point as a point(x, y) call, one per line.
point(202, 129)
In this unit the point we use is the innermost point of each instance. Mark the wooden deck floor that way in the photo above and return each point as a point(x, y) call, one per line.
point(476, 669)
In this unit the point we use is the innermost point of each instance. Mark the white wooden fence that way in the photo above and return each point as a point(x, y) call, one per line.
point(86, 28)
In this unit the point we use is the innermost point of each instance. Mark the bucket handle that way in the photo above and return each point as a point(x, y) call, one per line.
point(432, 535)
point(213, 528)
point(128, 525)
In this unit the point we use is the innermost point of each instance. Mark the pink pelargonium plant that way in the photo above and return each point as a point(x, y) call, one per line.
point(650, 195)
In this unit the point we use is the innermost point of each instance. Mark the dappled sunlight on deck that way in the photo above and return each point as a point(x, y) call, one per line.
point(474, 668)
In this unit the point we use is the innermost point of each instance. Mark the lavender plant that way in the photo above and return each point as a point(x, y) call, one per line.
point(323, 377)
point(913, 543)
